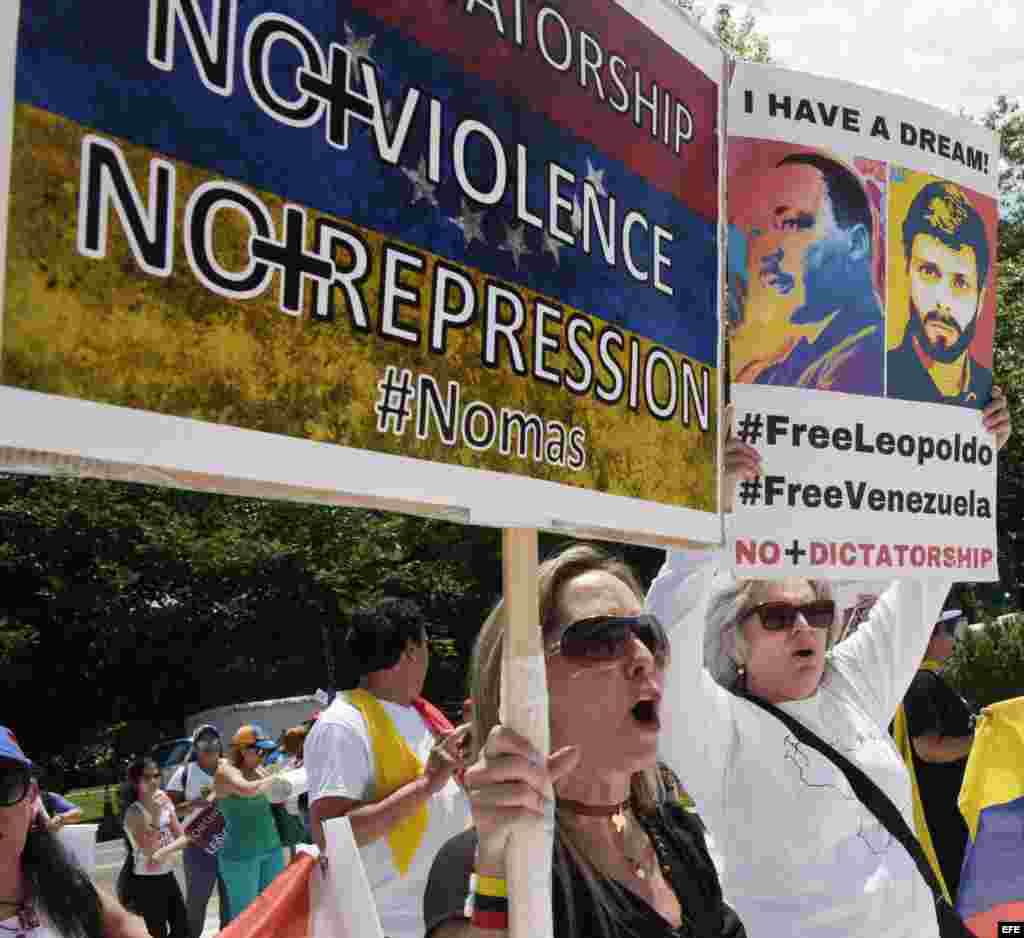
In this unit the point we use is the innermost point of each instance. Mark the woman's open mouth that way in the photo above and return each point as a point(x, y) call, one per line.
point(645, 712)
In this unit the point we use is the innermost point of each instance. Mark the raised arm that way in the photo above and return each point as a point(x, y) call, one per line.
point(697, 726)
point(230, 781)
point(696, 715)
point(882, 656)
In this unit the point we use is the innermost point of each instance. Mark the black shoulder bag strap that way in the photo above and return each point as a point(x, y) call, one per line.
point(888, 815)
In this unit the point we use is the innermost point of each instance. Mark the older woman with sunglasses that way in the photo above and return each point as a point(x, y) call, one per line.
point(42, 893)
point(802, 855)
point(628, 859)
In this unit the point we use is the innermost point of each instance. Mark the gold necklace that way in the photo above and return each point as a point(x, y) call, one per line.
point(634, 839)
point(634, 852)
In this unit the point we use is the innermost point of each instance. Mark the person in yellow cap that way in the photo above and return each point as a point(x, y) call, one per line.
point(934, 731)
point(374, 756)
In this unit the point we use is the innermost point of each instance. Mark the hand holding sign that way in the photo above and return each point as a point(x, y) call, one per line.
point(996, 417)
point(507, 785)
point(205, 830)
point(740, 460)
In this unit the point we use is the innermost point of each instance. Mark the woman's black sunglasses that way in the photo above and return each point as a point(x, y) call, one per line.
point(820, 614)
point(14, 786)
point(603, 639)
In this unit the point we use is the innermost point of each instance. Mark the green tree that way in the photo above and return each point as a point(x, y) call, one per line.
point(1007, 117)
point(988, 664)
point(739, 36)
point(125, 604)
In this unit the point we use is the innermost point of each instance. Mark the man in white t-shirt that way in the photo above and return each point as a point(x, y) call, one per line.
point(188, 788)
point(347, 743)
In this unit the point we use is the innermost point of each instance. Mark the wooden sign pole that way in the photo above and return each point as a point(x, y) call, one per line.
point(524, 708)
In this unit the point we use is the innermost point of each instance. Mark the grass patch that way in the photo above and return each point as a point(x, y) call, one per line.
point(90, 800)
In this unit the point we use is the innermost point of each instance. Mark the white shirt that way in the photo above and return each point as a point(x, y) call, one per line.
point(200, 784)
point(800, 854)
point(160, 823)
point(338, 758)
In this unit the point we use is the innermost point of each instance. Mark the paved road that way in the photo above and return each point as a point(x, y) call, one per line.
point(109, 858)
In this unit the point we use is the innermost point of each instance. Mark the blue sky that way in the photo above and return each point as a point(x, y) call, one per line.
point(949, 53)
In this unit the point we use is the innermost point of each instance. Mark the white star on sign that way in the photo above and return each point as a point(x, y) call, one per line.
point(471, 223)
point(357, 48)
point(552, 246)
point(422, 187)
point(596, 178)
point(577, 215)
point(515, 242)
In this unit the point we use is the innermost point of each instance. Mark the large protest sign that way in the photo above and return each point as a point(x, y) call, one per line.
point(861, 286)
point(345, 253)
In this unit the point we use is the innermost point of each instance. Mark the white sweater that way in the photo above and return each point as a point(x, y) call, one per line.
point(801, 855)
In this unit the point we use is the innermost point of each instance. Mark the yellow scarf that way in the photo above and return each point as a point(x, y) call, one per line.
point(396, 765)
point(903, 744)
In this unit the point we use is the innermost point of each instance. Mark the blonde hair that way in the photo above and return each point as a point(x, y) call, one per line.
point(646, 789)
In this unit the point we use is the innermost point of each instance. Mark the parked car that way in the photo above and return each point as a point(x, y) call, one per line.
point(169, 754)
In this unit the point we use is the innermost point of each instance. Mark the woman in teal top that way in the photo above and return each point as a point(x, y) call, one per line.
point(251, 856)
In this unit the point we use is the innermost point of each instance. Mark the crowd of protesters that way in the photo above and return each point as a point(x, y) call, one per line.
point(745, 696)
point(46, 895)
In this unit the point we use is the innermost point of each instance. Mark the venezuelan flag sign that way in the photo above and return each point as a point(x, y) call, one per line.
point(992, 803)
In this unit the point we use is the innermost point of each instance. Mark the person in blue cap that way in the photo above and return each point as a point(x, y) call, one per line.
point(43, 894)
point(189, 788)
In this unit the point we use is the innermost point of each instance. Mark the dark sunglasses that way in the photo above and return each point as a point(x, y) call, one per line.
point(602, 639)
point(820, 614)
point(14, 786)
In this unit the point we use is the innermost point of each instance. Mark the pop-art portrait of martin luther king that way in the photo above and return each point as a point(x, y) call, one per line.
point(805, 268)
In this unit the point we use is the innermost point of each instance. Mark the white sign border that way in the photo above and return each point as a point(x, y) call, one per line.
point(109, 441)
